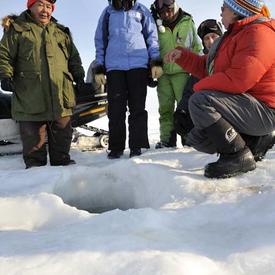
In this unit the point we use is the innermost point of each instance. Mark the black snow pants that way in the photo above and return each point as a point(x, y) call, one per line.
point(127, 88)
point(244, 112)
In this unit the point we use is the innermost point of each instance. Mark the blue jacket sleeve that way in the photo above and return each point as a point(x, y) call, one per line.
point(101, 38)
point(150, 33)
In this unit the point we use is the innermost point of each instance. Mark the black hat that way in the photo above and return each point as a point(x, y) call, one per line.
point(161, 4)
point(209, 26)
point(122, 4)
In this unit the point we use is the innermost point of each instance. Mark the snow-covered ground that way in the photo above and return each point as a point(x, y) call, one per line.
point(150, 215)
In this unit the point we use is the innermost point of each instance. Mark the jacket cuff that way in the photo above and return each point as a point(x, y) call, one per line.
point(156, 62)
point(99, 69)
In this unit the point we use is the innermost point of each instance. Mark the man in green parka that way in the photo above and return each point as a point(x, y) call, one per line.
point(39, 63)
point(175, 28)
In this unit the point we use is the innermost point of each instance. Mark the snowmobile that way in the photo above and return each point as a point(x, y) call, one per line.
point(91, 104)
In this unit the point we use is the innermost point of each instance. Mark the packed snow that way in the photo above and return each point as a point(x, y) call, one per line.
point(148, 215)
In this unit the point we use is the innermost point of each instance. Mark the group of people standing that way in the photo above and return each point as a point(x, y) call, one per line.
point(225, 92)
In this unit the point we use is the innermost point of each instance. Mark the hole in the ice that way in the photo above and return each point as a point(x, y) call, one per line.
point(97, 196)
point(99, 206)
point(109, 190)
point(102, 197)
point(99, 210)
point(121, 185)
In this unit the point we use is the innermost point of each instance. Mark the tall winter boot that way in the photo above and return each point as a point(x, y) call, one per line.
point(259, 145)
point(172, 142)
point(235, 157)
point(183, 124)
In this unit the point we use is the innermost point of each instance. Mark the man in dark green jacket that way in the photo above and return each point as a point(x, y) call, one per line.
point(39, 63)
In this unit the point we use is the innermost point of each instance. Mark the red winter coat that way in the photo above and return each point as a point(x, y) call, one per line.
point(244, 62)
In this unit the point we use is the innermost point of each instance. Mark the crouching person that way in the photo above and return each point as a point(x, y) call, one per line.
point(237, 95)
point(209, 30)
point(39, 63)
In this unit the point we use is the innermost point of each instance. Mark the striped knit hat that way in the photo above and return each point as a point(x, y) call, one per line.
point(245, 7)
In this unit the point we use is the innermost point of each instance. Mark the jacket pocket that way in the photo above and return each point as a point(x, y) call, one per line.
point(64, 49)
point(26, 51)
point(28, 96)
point(68, 90)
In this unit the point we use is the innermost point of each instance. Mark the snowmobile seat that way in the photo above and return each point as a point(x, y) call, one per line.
point(91, 104)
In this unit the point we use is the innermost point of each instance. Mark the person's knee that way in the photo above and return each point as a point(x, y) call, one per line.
point(199, 105)
point(166, 109)
point(63, 122)
point(196, 101)
point(199, 141)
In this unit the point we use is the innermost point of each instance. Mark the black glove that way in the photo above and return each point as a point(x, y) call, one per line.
point(79, 84)
point(7, 84)
point(85, 89)
point(152, 83)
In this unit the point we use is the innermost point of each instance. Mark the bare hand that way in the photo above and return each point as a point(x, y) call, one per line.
point(172, 56)
point(156, 72)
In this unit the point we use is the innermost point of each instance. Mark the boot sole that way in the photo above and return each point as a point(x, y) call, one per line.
point(229, 175)
point(115, 157)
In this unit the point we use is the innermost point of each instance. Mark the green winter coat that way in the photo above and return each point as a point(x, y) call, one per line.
point(184, 35)
point(171, 84)
point(43, 62)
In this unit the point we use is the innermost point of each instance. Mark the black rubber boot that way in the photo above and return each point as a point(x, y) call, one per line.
point(172, 142)
point(173, 139)
point(230, 165)
point(114, 154)
point(135, 152)
point(183, 123)
point(63, 163)
point(260, 145)
point(235, 158)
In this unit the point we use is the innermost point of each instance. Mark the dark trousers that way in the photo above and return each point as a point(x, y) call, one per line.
point(127, 88)
point(34, 135)
point(244, 112)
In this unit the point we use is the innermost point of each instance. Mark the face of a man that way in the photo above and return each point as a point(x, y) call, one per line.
point(209, 39)
point(42, 11)
point(168, 13)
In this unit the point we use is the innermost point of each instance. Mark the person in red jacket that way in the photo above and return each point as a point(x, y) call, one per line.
point(235, 96)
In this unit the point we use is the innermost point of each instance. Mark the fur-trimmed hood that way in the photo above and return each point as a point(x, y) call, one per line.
point(6, 21)
point(21, 22)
